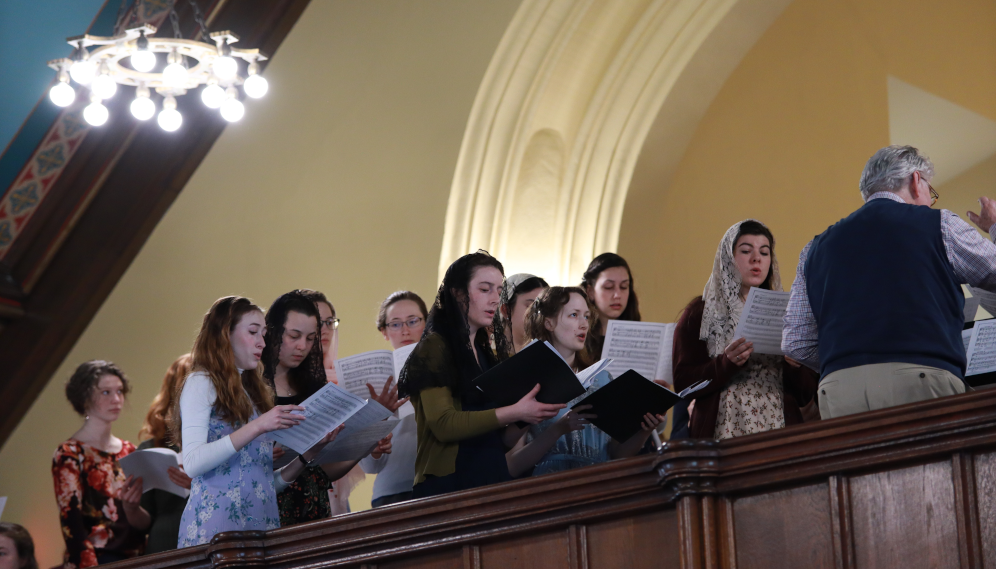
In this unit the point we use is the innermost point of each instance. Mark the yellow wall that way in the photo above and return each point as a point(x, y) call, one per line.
point(788, 135)
point(337, 180)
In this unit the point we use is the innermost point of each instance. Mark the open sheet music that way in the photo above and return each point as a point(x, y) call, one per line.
point(357, 443)
point(986, 299)
point(355, 372)
point(401, 356)
point(644, 347)
point(328, 408)
point(971, 307)
point(152, 464)
point(761, 320)
point(982, 348)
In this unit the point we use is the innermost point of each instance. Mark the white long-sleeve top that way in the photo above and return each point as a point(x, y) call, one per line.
point(199, 455)
point(396, 471)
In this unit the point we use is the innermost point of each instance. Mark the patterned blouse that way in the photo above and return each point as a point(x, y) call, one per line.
point(307, 499)
point(87, 482)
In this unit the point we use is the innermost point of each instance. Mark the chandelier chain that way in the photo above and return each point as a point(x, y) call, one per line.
point(118, 27)
point(199, 18)
point(175, 20)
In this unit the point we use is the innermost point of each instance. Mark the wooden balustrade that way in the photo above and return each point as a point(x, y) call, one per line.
point(912, 486)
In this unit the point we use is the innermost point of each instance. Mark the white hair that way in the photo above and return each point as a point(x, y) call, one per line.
point(891, 167)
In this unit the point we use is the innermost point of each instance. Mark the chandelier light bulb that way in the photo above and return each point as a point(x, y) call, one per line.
point(213, 96)
point(255, 86)
point(95, 113)
point(104, 86)
point(170, 118)
point(142, 107)
point(62, 94)
point(175, 74)
point(82, 71)
point(232, 109)
point(143, 60)
point(225, 67)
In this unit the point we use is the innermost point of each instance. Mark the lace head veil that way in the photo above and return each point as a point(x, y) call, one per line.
point(722, 293)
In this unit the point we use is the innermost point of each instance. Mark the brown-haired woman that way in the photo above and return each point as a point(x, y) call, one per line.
point(165, 508)
point(749, 393)
point(461, 435)
point(608, 281)
point(17, 549)
point(560, 316)
point(401, 319)
point(102, 520)
point(224, 409)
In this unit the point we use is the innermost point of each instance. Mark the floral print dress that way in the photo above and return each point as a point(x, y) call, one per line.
point(87, 483)
point(237, 495)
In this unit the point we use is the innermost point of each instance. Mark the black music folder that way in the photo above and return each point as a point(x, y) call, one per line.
point(621, 405)
point(514, 378)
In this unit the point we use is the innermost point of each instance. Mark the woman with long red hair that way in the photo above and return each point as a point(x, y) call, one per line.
point(164, 507)
point(223, 413)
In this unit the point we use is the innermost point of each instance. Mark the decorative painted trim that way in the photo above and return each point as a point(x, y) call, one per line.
point(562, 114)
point(30, 188)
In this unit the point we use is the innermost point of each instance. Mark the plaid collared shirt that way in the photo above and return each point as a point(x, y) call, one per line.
point(972, 257)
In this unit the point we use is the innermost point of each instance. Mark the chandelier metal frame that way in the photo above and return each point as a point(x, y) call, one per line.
point(215, 68)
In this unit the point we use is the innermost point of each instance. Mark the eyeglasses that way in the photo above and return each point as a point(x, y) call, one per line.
point(396, 326)
point(934, 196)
point(330, 323)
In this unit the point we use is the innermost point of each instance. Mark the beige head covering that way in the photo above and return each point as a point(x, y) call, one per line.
point(722, 294)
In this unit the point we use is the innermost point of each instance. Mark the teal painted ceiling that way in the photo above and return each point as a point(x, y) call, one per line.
point(31, 33)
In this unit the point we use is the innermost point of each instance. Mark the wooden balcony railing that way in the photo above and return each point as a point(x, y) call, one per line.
point(908, 487)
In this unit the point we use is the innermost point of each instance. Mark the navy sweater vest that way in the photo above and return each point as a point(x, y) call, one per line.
point(882, 290)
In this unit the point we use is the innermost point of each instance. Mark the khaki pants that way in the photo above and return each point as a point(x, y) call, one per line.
point(877, 386)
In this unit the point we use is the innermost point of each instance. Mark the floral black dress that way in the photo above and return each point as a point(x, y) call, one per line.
point(94, 526)
point(307, 499)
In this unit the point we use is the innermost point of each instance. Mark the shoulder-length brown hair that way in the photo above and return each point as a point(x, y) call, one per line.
point(548, 305)
point(213, 355)
point(155, 426)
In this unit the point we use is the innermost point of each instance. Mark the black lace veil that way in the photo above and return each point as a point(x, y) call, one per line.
point(451, 362)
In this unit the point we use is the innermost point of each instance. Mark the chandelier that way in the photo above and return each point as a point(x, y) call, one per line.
point(131, 59)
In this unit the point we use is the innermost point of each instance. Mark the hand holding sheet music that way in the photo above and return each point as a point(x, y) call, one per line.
point(355, 372)
point(152, 465)
point(644, 347)
point(761, 321)
point(325, 410)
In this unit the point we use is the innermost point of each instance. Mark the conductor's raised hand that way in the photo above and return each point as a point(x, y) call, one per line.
point(987, 216)
point(388, 396)
point(739, 351)
point(280, 417)
point(531, 411)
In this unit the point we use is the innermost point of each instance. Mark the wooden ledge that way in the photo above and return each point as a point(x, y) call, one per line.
point(918, 433)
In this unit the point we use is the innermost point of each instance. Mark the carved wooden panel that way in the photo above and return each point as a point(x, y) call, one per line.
point(787, 528)
point(449, 559)
point(547, 550)
point(905, 518)
point(637, 542)
point(985, 484)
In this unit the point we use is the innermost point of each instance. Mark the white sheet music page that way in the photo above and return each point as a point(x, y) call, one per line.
point(370, 414)
point(358, 444)
point(401, 356)
point(152, 465)
point(971, 307)
point(761, 320)
point(355, 372)
point(986, 299)
point(644, 347)
point(328, 408)
point(982, 348)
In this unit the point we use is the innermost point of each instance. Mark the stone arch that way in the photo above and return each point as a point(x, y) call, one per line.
point(562, 114)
